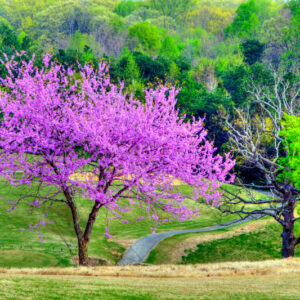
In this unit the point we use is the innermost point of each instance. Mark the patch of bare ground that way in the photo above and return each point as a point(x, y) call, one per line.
point(89, 176)
point(228, 269)
point(191, 242)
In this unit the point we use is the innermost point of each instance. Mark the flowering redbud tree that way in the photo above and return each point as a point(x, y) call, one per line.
point(56, 123)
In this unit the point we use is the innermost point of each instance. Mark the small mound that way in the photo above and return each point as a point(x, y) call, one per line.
point(92, 261)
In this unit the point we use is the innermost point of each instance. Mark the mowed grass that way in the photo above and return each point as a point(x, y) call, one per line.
point(24, 249)
point(260, 280)
point(260, 243)
point(58, 287)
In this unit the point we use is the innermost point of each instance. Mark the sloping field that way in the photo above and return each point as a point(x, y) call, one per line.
point(171, 250)
point(278, 279)
point(29, 251)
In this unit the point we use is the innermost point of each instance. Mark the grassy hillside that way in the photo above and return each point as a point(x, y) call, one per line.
point(255, 241)
point(24, 249)
point(275, 279)
point(252, 246)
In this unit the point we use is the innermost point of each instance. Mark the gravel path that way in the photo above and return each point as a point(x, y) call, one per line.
point(139, 251)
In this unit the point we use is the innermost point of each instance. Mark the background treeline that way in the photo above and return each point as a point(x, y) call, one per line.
point(210, 49)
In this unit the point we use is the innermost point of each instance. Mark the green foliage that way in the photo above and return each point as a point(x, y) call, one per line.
point(151, 70)
point(291, 134)
point(234, 82)
point(125, 8)
point(79, 41)
point(291, 37)
point(10, 42)
point(24, 41)
point(250, 17)
point(76, 42)
point(213, 16)
point(195, 100)
point(237, 78)
point(246, 21)
point(148, 36)
point(8, 37)
point(227, 62)
point(128, 69)
point(217, 99)
point(173, 73)
point(252, 51)
point(117, 24)
point(21, 13)
point(172, 8)
point(190, 97)
point(260, 74)
point(169, 48)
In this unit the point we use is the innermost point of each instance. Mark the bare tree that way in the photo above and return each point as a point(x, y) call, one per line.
point(255, 138)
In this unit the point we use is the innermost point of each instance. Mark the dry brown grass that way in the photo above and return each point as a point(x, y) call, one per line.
point(126, 243)
point(89, 176)
point(229, 269)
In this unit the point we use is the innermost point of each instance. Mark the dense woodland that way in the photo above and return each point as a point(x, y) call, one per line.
point(212, 50)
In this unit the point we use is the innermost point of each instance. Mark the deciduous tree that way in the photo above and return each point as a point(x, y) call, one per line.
point(54, 125)
point(256, 139)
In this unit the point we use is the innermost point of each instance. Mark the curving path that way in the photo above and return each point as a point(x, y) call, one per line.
point(139, 251)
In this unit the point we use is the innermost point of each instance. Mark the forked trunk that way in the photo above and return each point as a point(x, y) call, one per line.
point(83, 239)
point(83, 242)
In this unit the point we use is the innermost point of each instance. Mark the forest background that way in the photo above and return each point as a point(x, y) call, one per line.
point(211, 50)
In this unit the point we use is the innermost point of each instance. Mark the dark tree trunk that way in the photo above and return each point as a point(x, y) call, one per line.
point(84, 238)
point(83, 243)
point(82, 252)
point(288, 241)
point(81, 240)
point(288, 238)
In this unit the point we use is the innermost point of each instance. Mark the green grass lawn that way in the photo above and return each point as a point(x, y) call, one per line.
point(14, 287)
point(262, 244)
point(252, 246)
point(24, 249)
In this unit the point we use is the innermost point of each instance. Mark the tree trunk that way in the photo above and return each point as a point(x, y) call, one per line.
point(84, 239)
point(82, 243)
point(288, 241)
point(82, 252)
point(288, 238)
